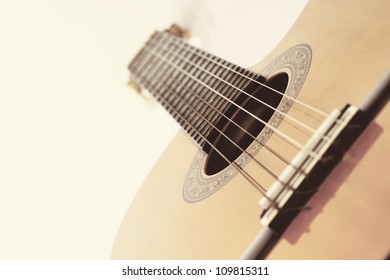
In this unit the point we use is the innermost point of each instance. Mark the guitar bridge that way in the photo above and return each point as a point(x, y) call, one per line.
point(300, 180)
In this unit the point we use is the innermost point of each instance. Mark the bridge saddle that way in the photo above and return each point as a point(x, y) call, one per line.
point(302, 177)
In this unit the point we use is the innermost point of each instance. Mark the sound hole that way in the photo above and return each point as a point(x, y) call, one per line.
point(215, 162)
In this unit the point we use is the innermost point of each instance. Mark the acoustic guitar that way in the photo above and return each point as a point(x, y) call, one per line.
point(286, 160)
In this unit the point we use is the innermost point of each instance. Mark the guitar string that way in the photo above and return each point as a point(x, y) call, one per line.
point(153, 69)
point(226, 137)
point(251, 96)
point(237, 88)
point(144, 64)
point(219, 113)
point(325, 138)
point(308, 128)
point(285, 137)
point(280, 134)
point(173, 92)
point(156, 37)
point(230, 66)
point(240, 169)
point(258, 100)
point(252, 181)
point(200, 53)
point(285, 185)
point(247, 77)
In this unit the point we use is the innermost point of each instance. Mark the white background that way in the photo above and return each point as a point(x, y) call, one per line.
point(75, 143)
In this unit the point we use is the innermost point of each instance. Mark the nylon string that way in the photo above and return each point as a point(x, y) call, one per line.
point(145, 62)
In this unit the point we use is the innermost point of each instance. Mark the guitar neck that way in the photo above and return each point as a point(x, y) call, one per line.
point(188, 82)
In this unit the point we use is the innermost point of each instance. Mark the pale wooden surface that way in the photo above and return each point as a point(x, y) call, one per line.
point(348, 220)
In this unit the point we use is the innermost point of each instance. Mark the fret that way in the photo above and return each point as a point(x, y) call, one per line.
point(221, 86)
point(224, 87)
point(216, 85)
point(167, 78)
point(209, 98)
point(156, 78)
point(231, 93)
point(166, 68)
point(198, 89)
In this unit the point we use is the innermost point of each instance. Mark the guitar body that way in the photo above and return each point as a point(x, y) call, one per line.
point(350, 44)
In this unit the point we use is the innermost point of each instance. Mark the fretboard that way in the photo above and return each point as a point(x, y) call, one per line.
point(194, 86)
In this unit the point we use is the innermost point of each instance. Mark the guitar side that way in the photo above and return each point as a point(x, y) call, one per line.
point(348, 214)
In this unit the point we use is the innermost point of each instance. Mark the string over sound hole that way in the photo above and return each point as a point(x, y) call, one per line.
point(236, 132)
